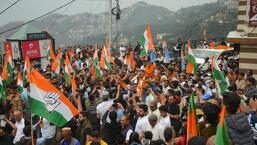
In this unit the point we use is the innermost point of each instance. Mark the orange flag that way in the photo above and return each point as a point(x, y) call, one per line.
point(192, 127)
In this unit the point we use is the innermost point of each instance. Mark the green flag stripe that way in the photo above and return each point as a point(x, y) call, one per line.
point(39, 108)
point(67, 78)
point(142, 43)
point(221, 137)
point(218, 74)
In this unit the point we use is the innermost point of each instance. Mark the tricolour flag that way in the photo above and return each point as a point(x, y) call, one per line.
point(67, 70)
point(191, 62)
point(26, 70)
point(221, 137)
point(192, 127)
point(108, 51)
point(56, 65)
point(19, 83)
point(105, 61)
point(97, 69)
point(74, 87)
point(130, 61)
point(2, 91)
point(50, 52)
point(7, 73)
point(219, 76)
point(146, 42)
point(48, 102)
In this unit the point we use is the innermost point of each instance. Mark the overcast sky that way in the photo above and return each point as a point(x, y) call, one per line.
point(29, 9)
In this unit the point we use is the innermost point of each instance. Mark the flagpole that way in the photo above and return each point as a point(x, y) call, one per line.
point(32, 130)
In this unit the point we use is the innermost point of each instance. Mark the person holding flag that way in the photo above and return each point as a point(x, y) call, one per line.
point(233, 127)
point(218, 75)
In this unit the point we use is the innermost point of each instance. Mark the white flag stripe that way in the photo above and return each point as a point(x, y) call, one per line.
point(38, 94)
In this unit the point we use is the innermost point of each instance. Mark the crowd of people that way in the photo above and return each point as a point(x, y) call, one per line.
point(145, 105)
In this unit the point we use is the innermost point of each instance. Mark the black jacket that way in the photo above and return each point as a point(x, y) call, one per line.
point(239, 129)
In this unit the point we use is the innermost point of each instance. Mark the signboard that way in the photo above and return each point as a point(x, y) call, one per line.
point(31, 49)
point(253, 13)
point(14, 48)
point(37, 36)
point(43, 44)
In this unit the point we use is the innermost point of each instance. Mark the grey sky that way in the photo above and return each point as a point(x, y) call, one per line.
point(28, 9)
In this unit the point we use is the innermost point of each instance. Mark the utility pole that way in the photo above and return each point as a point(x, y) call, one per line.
point(117, 19)
point(110, 23)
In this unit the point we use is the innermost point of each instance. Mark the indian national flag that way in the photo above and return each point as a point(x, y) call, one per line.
point(50, 52)
point(71, 54)
point(108, 52)
point(2, 91)
point(97, 69)
point(219, 76)
point(26, 69)
point(221, 137)
point(146, 42)
point(56, 65)
point(19, 82)
point(105, 61)
point(48, 102)
point(74, 87)
point(192, 127)
point(67, 70)
point(7, 73)
point(191, 64)
point(130, 62)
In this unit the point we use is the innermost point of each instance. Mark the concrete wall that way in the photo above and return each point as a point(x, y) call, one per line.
point(247, 38)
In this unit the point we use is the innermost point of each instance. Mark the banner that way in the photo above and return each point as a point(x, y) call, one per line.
point(43, 45)
point(14, 48)
point(31, 49)
point(253, 13)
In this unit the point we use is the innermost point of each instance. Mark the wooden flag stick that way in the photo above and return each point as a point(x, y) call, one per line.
point(32, 130)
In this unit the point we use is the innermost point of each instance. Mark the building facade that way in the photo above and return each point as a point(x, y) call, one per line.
point(246, 35)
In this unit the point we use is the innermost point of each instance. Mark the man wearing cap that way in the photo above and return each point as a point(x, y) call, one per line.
point(67, 137)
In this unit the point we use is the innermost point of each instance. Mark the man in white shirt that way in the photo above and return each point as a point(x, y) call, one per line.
point(104, 106)
point(20, 124)
point(165, 118)
point(165, 84)
point(154, 109)
point(155, 127)
point(47, 131)
point(142, 119)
